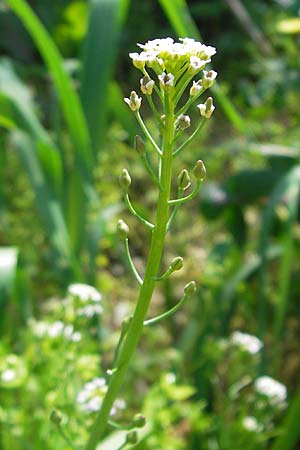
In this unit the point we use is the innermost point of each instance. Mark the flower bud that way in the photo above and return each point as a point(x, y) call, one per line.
point(176, 264)
point(134, 101)
point(139, 421)
point(199, 170)
point(131, 437)
point(183, 122)
point(184, 180)
point(146, 85)
point(207, 108)
point(125, 180)
point(56, 417)
point(190, 289)
point(139, 144)
point(122, 229)
point(208, 78)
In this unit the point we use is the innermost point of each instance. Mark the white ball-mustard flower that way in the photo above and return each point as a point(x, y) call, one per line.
point(166, 80)
point(273, 389)
point(146, 85)
point(247, 342)
point(84, 292)
point(196, 88)
point(208, 78)
point(206, 109)
point(196, 64)
point(138, 59)
point(250, 423)
point(8, 375)
point(134, 101)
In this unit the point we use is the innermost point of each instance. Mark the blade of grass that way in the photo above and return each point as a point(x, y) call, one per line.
point(290, 427)
point(100, 49)
point(184, 26)
point(285, 186)
point(70, 103)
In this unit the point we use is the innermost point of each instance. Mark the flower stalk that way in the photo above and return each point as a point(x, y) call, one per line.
point(171, 63)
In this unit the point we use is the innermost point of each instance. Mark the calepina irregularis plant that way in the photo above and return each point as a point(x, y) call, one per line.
point(168, 82)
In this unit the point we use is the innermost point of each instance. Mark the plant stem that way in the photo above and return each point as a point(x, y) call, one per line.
point(156, 249)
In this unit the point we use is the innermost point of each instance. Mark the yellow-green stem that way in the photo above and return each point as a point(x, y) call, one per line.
point(147, 288)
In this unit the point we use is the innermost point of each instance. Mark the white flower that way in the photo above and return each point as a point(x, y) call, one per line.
point(196, 64)
point(208, 78)
point(196, 88)
point(251, 424)
point(84, 292)
point(8, 375)
point(134, 101)
point(206, 109)
point(166, 79)
point(118, 405)
point(94, 404)
point(275, 391)
point(183, 122)
point(90, 310)
point(249, 343)
point(138, 60)
point(55, 329)
point(146, 85)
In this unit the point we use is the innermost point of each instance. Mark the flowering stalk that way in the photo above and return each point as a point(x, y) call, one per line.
point(174, 66)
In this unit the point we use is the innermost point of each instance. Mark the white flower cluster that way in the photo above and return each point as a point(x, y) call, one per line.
point(89, 297)
point(250, 423)
point(275, 391)
point(247, 342)
point(54, 330)
point(91, 395)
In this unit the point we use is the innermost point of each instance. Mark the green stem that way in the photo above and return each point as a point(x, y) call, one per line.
point(198, 128)
point(136, 214)
point(146, 132)
point(155, 254)
point(131, 264)
point(168, 313)
point(181, 200)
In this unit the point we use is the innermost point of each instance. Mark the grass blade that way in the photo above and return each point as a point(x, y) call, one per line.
point(290, 429)
point(69, 100)
point(184, 26)
point(100, 49)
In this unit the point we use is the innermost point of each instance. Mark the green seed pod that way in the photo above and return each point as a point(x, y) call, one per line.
point(125, 180)
point(139, 421)
point(183, 179)
point(176, 264)
point(56, 417)
point(132, 437)
point(199, 170)
point(139, 144)
point(122, 229)
point(190, 289)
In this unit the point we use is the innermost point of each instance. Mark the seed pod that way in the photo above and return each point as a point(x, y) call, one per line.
point(183, 179)
point(190, 289)
point(176, 264)
point(139, 421)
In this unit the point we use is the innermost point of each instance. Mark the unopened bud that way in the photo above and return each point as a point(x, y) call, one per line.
point(139, 144)
point(56, 417)
point(183, 122)
point(196, 88)
point(122, 229)
point(183, 179)
point(131, 437)
point(139, 421)
point(125, 180)
point(190, 289)
point(199, 170)
point(206, 109)
point(146, 85)
point(176, 264)
point(134, 101)
point(208, 78)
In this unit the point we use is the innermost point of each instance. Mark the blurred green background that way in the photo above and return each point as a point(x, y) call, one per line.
point(66, 134)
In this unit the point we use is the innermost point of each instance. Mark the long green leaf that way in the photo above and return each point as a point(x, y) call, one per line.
point(184, 26)
point(100, 49)
point(290, 434)
point(69, 100)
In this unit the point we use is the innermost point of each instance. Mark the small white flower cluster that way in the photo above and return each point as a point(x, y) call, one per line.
point(275, 391)
point(8, 375)
point(91, 395)
point(250, 423)
point(247, 342)
point(54, 330)
point(89, 297)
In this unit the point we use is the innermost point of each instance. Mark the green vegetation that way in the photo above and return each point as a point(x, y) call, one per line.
point(220, 372)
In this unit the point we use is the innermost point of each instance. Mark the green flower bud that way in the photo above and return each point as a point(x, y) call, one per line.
point(176, 264)
point(199, 170)
point(125, 180)
point(139, 144)
point(139, 421)
point(56, 417)
point(132, 437)
point(208, 78)
point(206, 109)
point(196, 88)
point(122, 229)
point(183, 122)
point(183, 179)
point(190, 289)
